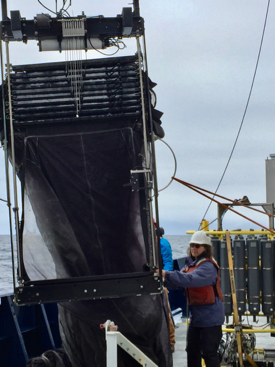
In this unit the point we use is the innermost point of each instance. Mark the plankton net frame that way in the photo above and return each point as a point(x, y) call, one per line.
point(109, 95)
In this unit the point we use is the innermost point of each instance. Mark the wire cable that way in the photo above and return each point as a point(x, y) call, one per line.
point(175, 166)
point(61, 12)
point(40, 2)
point(245, 110)
point(120, 45)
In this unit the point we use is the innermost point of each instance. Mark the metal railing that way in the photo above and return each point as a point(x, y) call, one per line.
point(114, 338)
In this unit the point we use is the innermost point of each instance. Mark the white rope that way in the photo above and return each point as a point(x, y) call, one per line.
point(73, 38)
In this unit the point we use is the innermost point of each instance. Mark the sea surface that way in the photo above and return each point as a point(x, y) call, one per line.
point(178, 243)
point(6, 278)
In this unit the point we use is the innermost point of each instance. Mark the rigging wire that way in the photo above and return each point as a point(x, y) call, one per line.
point(40, 2)
point(61, 12)
point(175, 165)
point(245, 110)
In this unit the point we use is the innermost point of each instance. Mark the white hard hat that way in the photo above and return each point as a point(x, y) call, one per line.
point(201, 238)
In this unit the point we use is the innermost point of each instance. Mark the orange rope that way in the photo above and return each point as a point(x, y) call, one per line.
point(196, 189)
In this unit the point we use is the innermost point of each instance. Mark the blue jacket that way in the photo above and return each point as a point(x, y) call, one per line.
point(205, 274)
point(166, 254)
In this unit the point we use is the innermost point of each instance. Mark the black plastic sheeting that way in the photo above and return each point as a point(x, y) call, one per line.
point(81, 216)
point(86, 214)
point(143, 320)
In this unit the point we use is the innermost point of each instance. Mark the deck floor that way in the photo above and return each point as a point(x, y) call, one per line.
point(263, 341)
point(179, 356)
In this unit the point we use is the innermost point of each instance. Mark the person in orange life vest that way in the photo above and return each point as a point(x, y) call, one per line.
point(201, 280)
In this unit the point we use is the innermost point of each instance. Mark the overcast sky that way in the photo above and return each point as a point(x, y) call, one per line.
point(202, 54)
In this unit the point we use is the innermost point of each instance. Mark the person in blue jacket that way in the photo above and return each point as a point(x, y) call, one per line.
point(166, 251)
point(167, 264)
point(201, 280)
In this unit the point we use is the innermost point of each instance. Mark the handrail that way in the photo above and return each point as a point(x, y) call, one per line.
point(115, 338)
point(234, 232)
point(249, 331)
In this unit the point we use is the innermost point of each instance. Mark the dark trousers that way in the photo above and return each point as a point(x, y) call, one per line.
point(203, 342)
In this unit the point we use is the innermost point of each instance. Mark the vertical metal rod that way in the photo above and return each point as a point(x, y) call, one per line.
point(154, 165)
point(152, 138)
point(45, 316)
point(219, 217)
point(234, 298)
point(271, 219)
point(111, 345)
point(142, 104)
point(4, 9)
point(15, 209)
point(7, 164)
point(136, 8)
point(146, 148)
point(19, 333)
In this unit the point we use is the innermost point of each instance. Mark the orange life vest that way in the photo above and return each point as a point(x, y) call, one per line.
point(203, 295)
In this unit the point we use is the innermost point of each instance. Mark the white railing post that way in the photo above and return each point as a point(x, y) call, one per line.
point(115, 338)
point(111, 345)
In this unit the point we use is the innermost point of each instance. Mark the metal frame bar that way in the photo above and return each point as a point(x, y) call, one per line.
point(95, 27)
point(221, 209)
point(16, 206)
point(19, 334)
point(97, 287)
point(7, 165)
point(49, 331)
point(142, 65)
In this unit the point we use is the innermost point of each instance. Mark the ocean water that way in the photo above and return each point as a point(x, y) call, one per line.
point(179, 246)
point(6, 277)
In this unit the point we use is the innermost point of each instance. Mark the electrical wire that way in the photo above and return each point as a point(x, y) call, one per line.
point(245, 110)
point(153, 98)
point(61, 12)
point(40, 2)
point(114, 42)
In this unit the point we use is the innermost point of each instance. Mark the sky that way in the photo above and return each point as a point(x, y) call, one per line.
point(202, 54)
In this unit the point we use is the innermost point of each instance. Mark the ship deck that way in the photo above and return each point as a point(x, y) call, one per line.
point(179, 356)
point(265, 345)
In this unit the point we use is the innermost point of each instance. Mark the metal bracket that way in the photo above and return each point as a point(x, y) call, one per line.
point(136, 179)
